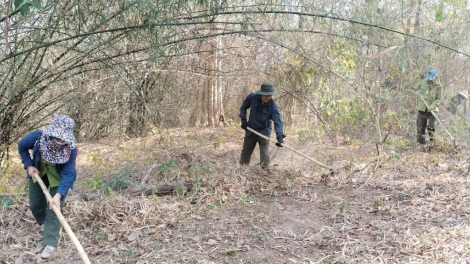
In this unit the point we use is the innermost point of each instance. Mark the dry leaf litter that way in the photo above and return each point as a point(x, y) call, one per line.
point(411, 209)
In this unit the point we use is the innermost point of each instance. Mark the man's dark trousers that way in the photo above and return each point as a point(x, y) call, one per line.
point(425, 120)
point(249, 145)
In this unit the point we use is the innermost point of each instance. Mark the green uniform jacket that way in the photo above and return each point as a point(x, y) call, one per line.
point(431, 94)
point(454, 102)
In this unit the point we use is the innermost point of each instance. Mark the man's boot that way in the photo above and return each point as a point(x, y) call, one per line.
point(431, 131)
point(421, 139)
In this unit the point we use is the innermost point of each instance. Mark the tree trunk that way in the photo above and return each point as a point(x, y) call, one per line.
point(137, 107)
point(208, 106)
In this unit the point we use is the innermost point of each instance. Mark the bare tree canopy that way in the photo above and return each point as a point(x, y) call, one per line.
point(129, 67)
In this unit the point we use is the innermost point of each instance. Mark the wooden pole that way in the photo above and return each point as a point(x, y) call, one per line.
point(284, 145)
point(67, 228)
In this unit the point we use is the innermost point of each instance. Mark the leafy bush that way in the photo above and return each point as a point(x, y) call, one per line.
point(121, 181)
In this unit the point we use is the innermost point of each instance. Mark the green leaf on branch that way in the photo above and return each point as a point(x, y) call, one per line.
point(402, 61)
point(439, 16)
point(18, 3)
point(37, 5)
point(24, 9)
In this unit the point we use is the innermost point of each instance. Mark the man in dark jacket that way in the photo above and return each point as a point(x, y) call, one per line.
point(263, 112)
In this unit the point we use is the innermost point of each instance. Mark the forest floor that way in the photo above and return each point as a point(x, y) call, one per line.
point(411, 206)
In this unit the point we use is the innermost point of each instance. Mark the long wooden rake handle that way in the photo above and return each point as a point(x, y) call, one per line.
point(66, 226)
point(298, 152)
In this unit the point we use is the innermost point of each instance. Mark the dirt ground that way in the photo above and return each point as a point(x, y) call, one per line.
point(386, 203)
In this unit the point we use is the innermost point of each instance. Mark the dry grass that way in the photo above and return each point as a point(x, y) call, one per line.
point(413, 208)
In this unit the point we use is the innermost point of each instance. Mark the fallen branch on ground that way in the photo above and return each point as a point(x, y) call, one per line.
point(160, 189)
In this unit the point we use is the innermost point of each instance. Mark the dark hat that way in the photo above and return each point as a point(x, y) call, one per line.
point(266, 89)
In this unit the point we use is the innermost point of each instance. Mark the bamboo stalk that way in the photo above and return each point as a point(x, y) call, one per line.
point(67, 228)
point(298, 152)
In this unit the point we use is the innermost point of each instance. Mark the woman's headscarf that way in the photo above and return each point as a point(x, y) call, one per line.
point(61, 127)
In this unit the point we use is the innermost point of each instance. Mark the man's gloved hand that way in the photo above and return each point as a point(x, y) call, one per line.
point(280, 139)
point(244, 124)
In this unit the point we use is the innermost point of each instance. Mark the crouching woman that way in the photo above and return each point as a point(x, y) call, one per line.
point(53, 158)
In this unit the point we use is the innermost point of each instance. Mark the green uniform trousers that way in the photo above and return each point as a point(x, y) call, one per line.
point(41, 212)
point(249, 145)
point(425, 120)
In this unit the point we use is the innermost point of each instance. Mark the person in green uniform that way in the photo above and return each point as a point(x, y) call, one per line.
point(430, 93)
point(456, 100)
point(54, 154)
